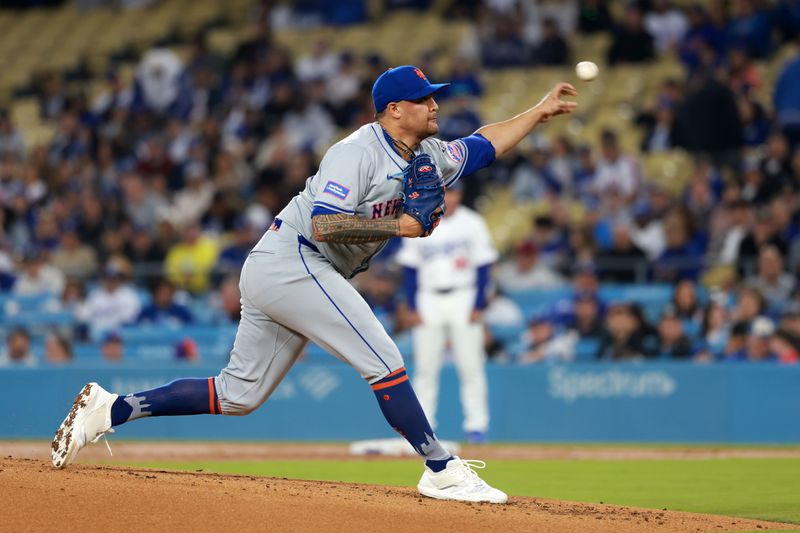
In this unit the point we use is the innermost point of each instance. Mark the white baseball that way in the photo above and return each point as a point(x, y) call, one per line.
point(586, 70)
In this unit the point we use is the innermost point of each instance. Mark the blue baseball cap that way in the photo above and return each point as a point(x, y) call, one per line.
point(402, 83)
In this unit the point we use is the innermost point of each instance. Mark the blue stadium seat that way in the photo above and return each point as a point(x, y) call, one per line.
point(507, 334)
point(538, 301)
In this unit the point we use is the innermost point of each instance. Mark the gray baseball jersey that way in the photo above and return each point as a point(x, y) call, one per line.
point(362, 175)
point(295, 289)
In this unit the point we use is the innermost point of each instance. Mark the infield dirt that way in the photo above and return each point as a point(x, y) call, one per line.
point(37, 497)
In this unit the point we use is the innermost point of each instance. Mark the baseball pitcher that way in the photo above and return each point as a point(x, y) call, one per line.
point(446, 277)
point(387, 179)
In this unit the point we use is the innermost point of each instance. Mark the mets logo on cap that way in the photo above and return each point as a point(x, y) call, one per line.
point(420, 74)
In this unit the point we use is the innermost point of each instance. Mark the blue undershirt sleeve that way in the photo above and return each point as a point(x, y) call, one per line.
point(482, 286)
point(410, 286)
point(479, 153)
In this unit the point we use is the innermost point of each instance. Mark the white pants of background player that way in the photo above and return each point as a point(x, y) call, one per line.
point(446, 317)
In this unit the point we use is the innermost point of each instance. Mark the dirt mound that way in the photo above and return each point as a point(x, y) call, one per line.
point(37, 497)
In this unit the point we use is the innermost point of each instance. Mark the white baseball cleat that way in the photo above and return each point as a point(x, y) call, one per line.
point(458, 481)
point(87, 421)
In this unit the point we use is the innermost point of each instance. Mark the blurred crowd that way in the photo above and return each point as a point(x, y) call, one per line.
point(165, 183)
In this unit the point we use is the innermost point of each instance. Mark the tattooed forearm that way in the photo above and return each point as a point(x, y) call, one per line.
point(349, 229)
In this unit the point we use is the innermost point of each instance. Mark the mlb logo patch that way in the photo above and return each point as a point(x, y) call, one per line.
point(455, 152)
point(336, 189)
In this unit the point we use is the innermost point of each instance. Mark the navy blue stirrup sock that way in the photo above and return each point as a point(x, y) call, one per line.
point(402, 410)
point(189, 396)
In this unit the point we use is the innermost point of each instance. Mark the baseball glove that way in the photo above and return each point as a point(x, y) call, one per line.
point(423, 192)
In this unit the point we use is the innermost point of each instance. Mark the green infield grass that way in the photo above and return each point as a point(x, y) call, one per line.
point(767, 489)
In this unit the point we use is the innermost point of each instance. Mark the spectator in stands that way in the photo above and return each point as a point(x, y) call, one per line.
point(525, 271)
point(18, 349)
point(503, 46)
point(616, 171)
point(707, 121)
point(737, 219)
point(74, 258)
point(461, 119)
point(544, 344)
point(71, 141)
point(162, 85)
point(582, 248)
point(787, 17)
point(320, 63)
point(380, 289)
point(757, 347)
point(51, 95)
point(11, 141)
point(594, 16)
point(189, 263)
point(464, 79)
point(673, 342)
point(751, 28)
point(658, 129)
point(701, 34)
point(771, 280)
point(790, 318)
point(686, 303)
point(308, 124)
point(38, 276)
point(683, 256)
point(626, 336)
point(112, 347)
point(776, 165)
point(586, 320)
point(502, 310)
point(750, 305)
point(226, 302)
point(785, 347)
point(762, 233)
point(115, 96)
point(57, 349)
point(232, 257)
point(743, 76)
point(624, 262)
point(535, 180)
point(755, 123)
point(552, 49)
point(114, 303)
point(194, 199)
point(786, 100)
point(631, 43)
point(584, 172)
point(715, 330)
point(342, 89)
point(164, 310)
point(667, 24)
point(142, 204)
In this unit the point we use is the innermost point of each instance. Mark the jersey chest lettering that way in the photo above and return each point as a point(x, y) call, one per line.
point(388, 208)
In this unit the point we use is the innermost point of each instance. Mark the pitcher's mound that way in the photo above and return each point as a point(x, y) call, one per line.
point(37, 497)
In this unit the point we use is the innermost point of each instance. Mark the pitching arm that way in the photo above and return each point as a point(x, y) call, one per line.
point(507, 134)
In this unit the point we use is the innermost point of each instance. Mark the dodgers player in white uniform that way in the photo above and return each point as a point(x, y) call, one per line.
point(446, 277)
point(294, 284)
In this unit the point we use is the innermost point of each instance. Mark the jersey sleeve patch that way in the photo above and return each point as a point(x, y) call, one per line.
point(336, 189)
point(455, 152)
